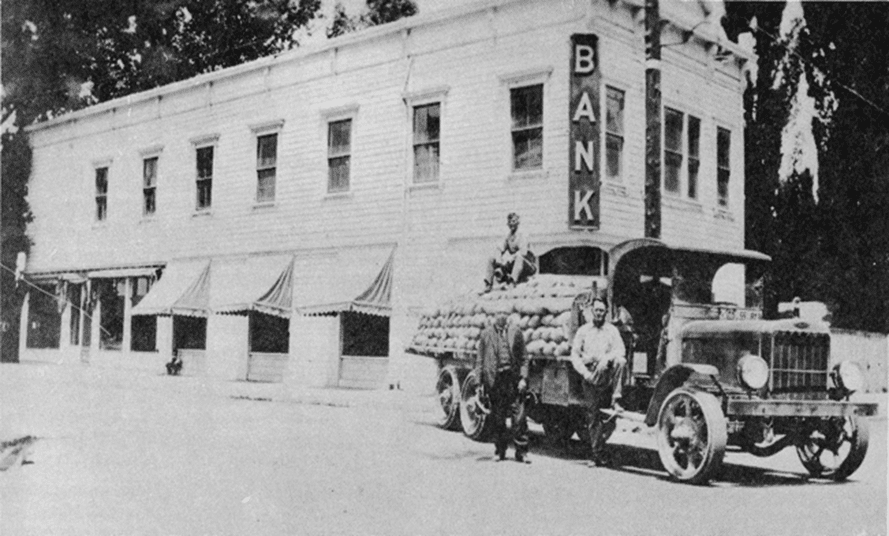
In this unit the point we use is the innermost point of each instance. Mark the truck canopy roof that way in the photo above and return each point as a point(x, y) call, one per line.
point(708, 329)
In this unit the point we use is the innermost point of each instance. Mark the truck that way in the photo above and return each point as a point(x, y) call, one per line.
point(705, 376)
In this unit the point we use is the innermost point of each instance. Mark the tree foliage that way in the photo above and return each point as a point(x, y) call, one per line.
point(61, 56)
point(835, 249)
point(847, 45)
point(378, 12)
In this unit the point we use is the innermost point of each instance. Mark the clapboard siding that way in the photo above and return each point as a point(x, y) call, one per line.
point(468, 54)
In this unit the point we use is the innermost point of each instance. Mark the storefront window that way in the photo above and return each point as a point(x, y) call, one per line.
point(144, 327)
point(110, 293)
point(44, 318)
point(269, 334)
point(365, 335)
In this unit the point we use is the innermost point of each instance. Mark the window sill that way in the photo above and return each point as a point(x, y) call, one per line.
point(615, 189)
point(720, 213)
point(202, 213)
point(420, 186)
point(264, 205)
point(338, 195)
point(675, 201)
point(529, 174)
point(147, 220)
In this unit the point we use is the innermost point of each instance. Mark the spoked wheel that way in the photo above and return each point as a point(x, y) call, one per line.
point(835, 448)
point(448, 390)
point(474, 409)
point(691, 436)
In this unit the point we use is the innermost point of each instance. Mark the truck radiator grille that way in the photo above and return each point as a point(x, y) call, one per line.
point(799, 362)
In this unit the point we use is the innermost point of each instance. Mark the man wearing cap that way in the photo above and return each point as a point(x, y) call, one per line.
point(512, 259)
point(598, 355)
point(503, 366)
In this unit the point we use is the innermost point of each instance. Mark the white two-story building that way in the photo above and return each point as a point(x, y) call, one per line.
point(288, 218)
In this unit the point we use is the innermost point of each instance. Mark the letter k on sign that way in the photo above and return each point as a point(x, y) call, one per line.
point(582, 200)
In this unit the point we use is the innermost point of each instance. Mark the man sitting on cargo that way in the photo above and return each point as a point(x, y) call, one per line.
point(597, 354)
point(513, 262)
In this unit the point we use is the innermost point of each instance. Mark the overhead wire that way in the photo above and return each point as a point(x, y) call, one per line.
point(55, 297)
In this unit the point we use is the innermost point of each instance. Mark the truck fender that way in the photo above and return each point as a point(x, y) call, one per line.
point(671, 379)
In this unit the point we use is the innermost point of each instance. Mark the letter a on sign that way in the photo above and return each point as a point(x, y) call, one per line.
point(583, 125)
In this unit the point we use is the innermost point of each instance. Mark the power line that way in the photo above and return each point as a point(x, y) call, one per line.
point(777, 40)
point(56, 297)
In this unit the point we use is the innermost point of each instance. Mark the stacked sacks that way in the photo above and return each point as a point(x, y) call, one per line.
point(541, 308)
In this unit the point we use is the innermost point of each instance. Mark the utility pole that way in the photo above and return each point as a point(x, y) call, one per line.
point(652, 119)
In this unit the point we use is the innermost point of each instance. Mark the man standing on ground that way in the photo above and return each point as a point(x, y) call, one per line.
point(503, 366)
point(512, 259)
point(598, 354)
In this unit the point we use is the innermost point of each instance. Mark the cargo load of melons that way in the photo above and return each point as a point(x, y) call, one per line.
point(540, 307)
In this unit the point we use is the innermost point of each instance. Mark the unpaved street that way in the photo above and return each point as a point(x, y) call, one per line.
point(131, 453)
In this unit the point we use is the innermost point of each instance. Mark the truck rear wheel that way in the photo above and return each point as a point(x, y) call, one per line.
point(835, 448)
point(448, 389)
point(691, 435)
point(474, 409)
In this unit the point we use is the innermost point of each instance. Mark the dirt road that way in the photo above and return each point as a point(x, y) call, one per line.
point(130, 453)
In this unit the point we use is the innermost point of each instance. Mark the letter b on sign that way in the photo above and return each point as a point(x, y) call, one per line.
point(584, 59)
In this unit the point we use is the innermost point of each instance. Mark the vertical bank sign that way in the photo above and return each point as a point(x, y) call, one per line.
point(583, 176)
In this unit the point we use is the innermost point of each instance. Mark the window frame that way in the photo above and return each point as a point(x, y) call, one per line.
point(533, 76)
point(429, 141)
point(723, 198)
point(149, 185)
point(260, 131)
point(676, 153)
point(198, 143)
point(607, 134)
point(525, 129)
point(412, 100)
point(100, 214)
point(342, 155)
point(692, 187)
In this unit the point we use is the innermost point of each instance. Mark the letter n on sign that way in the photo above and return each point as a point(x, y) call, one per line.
point(583, 173)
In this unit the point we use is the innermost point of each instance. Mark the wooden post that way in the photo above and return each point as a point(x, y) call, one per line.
point(652, 119)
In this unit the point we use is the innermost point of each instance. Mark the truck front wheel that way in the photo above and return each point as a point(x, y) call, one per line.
point(834, 448)
point(691, 435)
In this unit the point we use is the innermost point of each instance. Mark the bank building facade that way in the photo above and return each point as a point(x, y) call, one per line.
point(288, 219)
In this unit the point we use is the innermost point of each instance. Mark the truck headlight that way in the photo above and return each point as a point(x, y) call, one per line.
point(848, 376)
point(753, 371)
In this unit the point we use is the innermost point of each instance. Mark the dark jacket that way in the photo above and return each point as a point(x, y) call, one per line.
point(486, 359)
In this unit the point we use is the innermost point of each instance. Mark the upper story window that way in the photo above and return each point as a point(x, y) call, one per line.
point(266, 167)
point(149, 185)
point(673, 149)
point(427, 131)
point(204, 179)
point(694, 155)
point(526, 105)
point(723, 164)
point(339, 155)
point(614, 133)
point(682, 141)
point(101, 193)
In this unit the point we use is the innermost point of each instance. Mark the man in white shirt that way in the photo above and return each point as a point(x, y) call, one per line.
point(598, 354)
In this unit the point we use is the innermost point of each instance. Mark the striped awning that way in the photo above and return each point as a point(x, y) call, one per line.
point(262, 283)
point(183, 289)
point(344, 284)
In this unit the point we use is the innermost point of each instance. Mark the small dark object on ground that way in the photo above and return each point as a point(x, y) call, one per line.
point(174, 367)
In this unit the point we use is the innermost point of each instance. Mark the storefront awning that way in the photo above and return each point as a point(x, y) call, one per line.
point(343, 284)
point(117, 273)
point(183, 289)
point(263, 284)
